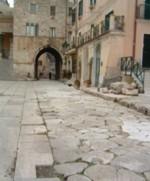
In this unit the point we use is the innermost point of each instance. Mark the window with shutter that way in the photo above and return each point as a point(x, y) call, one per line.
point(81, 8)
point(147, 9)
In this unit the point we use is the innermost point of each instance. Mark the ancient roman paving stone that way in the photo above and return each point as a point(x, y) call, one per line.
point(78, 178)
point(70, 168)
point(126, 175)
point(93, 133)
point(123, 141)
point(102, 144)
point(136, 162)
point(122, 150)
point(69, 155)
point(101, 173)
point(98, 157)
point(66, 142)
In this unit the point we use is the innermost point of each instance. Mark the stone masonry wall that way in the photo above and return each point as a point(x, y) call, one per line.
point(25, 47)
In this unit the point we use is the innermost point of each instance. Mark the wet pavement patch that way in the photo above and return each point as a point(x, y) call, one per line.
point(46, 171)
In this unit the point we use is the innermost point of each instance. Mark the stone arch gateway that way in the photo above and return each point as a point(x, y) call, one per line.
point(58, 60)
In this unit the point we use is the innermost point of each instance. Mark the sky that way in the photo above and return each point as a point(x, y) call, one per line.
point(11, 2)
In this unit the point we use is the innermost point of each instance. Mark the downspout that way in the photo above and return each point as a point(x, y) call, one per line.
point(135, 30)
point(66, 26)
point(76, 37)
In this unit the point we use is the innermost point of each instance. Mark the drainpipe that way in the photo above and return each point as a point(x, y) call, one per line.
point(135, 30)
point(66, 26)
point(76, 23)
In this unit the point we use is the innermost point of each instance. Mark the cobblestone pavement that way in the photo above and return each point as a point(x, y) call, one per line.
point(58, 133)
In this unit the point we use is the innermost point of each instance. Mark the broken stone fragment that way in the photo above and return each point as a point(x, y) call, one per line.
point(133, 92)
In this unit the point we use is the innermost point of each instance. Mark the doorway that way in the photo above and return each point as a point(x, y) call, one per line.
point(48, 61)
point(146, 52)
point(97, 65)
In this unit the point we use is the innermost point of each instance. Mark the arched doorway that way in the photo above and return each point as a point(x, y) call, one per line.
point(53, 60)
point(97, 65)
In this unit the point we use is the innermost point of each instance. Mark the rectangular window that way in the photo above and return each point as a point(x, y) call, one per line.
point(69, 11)
point(81, 8)
point(31, 29)
point(147, 9)
point(33, 8)
point(107, 20)
point(52, 10)
point(73, 15)
point(69, 36)
point(92, 2)
point(52, 32)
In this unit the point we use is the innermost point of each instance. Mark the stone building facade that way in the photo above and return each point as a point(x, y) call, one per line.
point(40, 27)
point(103, 32)
point(6, 30)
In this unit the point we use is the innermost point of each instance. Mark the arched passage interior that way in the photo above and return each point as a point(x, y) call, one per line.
point(58, 61)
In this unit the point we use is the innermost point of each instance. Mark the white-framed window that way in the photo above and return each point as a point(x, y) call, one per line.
point(31, 29)
point(52, 32)
point(33, 8)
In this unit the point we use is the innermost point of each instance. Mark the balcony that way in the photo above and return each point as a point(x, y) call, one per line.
point(143, 11)
point(116, 24)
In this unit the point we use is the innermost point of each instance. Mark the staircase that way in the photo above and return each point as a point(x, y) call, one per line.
point(130, 67)
point(6, 70)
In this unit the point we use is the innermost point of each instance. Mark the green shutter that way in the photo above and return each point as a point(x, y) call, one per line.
point(73, 15)
point(92, 2)
point(147, 9)
point(107, 21)
point(81, 8)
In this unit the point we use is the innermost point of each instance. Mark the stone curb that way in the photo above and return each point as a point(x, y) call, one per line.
point(122, 100)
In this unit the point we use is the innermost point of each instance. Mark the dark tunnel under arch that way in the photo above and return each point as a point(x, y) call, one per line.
point(56, 54)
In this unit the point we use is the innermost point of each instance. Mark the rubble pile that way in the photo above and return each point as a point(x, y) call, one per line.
point(121, 88)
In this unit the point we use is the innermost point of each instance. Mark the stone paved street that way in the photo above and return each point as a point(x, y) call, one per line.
point(52, 132)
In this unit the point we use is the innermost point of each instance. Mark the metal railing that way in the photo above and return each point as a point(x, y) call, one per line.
point(116, 24)
point(139, 72)
point(130, 67)
point(127, 64)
